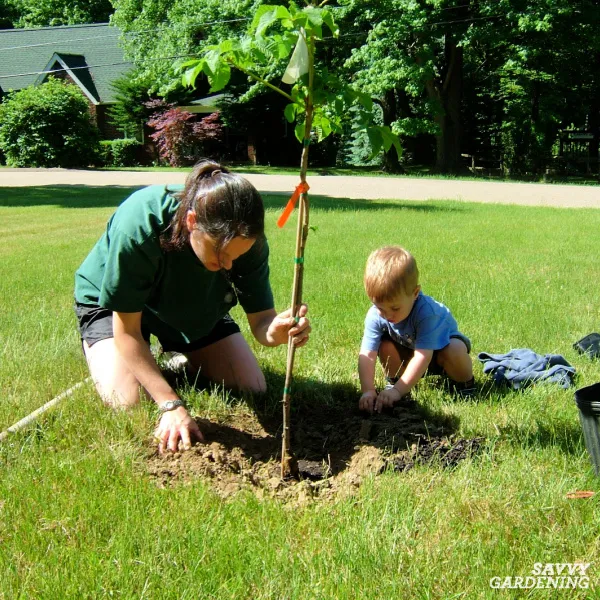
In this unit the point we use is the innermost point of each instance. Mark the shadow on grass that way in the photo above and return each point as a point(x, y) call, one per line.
point(538, 432)
point(66, 196)
point(326, 203)
point(326, 425)
point(567, 436)
point(81, 196)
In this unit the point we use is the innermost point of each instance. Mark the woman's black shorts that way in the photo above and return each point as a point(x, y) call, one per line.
point(95, 324)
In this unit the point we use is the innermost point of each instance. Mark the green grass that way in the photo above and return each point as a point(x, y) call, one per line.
point(80, 519)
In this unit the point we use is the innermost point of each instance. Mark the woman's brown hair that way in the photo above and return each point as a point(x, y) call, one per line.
point(226, 205)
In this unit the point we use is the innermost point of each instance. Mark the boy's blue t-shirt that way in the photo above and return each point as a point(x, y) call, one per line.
point(429, 326)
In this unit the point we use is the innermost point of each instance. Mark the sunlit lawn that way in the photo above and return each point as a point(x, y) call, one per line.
point(79, 518)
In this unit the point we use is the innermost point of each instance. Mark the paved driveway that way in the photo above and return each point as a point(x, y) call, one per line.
point(401, 188)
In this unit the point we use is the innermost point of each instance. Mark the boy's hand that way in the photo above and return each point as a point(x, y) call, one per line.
point(387, 398)
point(367, 400)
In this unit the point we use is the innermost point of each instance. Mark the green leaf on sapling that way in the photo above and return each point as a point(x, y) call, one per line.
point(364, 100)
point(375, 141)
point(331, 24)
point(299, 131)
point(220, 77)
point(190, 75)
point(264, 16)
point(212, 58)
point(390, 139)
point(290, 112)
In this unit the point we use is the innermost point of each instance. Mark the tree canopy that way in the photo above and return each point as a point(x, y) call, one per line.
point(51, 13)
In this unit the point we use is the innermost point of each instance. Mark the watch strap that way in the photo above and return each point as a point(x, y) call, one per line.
point(170, 405)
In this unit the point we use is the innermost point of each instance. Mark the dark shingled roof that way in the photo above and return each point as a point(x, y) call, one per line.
point(88, 52)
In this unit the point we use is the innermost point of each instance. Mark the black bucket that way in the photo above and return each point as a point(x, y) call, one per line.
point(588, 402)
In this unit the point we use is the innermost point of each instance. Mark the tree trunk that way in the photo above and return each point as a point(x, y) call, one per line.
point(538, 156)
point(450, 96)
point(388, 104)
point(252, 149)
point(447, 93)
point(594, 123)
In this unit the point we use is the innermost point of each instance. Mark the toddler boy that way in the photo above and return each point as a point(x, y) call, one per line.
point(410, 332)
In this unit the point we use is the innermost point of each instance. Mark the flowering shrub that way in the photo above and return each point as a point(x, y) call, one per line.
point(180, 139)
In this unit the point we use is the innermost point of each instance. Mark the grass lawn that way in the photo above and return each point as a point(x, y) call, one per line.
point(81, 518)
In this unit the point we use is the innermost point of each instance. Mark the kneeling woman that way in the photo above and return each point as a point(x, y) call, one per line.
point(173, 262)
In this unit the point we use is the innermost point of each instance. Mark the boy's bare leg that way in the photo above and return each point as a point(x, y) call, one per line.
point(394, 358)
point(455, 361)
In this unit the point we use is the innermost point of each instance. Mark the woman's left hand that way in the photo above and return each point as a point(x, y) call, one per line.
point(284, 326)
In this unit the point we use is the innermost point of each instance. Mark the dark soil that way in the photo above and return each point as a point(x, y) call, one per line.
point(336, 447)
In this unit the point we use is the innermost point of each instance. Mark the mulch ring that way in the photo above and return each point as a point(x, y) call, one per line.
point(336, 448)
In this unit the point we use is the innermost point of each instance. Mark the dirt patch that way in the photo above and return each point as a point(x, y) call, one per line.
point(336, 448)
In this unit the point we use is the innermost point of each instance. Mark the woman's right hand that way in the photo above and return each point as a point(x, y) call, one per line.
point(176, 425)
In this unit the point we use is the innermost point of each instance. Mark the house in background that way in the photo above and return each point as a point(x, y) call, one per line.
point(89, 56)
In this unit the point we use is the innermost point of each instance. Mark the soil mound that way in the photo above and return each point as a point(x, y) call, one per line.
point(336, 448)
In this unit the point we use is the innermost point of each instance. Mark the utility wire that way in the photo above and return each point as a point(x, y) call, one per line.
point(110, 35)
point(189, 55)
point(162, 26)
point(114, 64)
point(466, 20)
point(330, 37)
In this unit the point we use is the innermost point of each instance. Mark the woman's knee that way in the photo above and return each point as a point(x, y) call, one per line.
point(252, 383)
point(122, 394)
point(116, 385)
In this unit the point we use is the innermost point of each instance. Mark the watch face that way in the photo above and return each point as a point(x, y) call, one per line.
point(170, 405)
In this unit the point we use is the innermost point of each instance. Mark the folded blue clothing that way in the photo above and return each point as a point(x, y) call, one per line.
point(523, 366)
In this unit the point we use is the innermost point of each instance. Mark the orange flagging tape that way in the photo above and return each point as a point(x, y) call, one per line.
point(301, 188)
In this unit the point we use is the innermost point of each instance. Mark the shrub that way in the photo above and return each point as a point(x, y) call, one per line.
point(180, 139)
point(119, 153)
point(47, 126)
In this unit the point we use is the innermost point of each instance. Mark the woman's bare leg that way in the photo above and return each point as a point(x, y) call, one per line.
point(230, 362)
point(115, 383)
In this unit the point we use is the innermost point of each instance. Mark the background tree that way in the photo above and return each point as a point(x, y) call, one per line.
point(130, 112)
point(8, 14)
point(158, 31)
point(530, 73)
point(412, 61)
point(51, 13)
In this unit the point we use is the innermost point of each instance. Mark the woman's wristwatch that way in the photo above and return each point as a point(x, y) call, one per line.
point(170, 405)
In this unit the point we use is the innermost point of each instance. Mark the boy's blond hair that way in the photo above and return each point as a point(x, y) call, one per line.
point(390, 270)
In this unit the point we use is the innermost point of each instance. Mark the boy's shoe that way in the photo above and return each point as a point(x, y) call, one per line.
point(174, 361)
point(390, 384)
point(464, 389)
